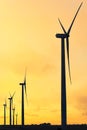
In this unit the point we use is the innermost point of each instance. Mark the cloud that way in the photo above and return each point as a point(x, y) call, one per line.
point(48, 68)
point(81, 103)
point(36, 63)
point(54, 110)
point(31, 115)
point(34, 115)
point(84, 113)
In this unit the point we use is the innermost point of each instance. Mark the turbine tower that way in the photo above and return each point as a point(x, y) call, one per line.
point(10, 110)
point(13, 115)
point(5, 105)
point(22, 107)
point(63, 37)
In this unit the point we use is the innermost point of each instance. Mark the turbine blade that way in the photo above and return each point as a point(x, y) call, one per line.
point(12, 103)
point(74, 18)
point(10, 94)
point(13, 94)
point(12, 99)
point(67, 46)
point(25, 81)
point(25, 85)
point(62, 26)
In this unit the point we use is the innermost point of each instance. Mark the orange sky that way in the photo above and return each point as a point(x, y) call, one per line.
point(27, 39)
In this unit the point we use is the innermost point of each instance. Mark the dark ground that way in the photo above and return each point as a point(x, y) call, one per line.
point(42, 127)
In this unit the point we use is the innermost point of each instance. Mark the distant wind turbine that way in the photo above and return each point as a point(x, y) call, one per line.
point(63, 37)
point(10, 111)
point(22, 107)
point(5, 105)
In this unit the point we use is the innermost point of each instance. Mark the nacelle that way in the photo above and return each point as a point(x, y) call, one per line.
point(21, 83)
point(62, 35)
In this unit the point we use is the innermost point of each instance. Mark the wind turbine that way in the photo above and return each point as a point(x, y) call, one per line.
point(13, 115)
point(10, 111)
point(63, 37)
point(5, 105)
point(22, 107)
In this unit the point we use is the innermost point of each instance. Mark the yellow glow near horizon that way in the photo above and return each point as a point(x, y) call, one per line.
point(27, 39)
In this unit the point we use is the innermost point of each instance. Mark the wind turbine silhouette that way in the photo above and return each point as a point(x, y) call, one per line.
point(5, 105)
point(64, 36)
point(22, 107)
point(10, 111)
point(13, 115)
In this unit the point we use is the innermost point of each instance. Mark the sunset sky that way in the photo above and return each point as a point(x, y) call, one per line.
point(27, 39)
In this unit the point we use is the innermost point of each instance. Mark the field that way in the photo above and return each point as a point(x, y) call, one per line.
point(42, 127)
